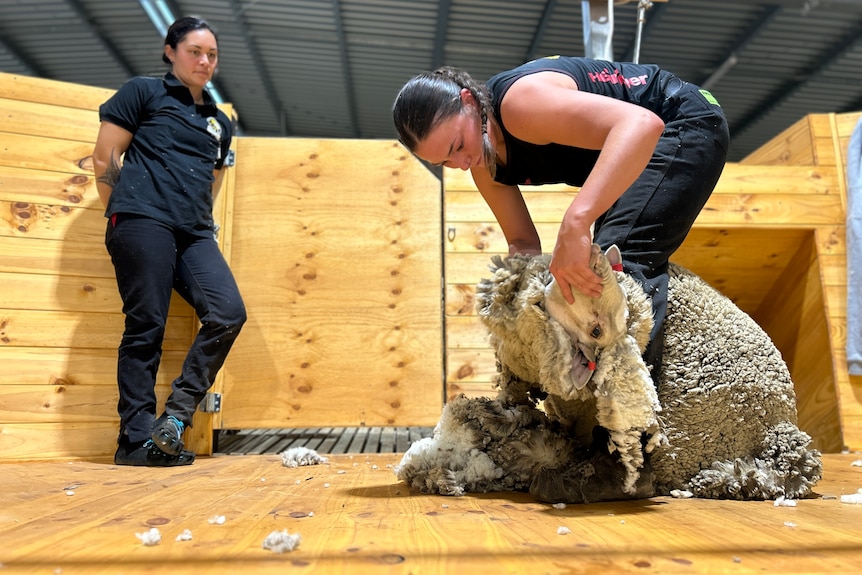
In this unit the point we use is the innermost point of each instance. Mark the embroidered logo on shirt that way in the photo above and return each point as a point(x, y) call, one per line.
point(616, 77)
point(214, 128)
point(709, 97)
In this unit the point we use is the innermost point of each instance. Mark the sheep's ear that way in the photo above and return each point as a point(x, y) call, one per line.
point(614, 256)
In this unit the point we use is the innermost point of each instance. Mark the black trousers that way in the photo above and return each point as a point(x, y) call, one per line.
point(151, 260)
point(652, 218)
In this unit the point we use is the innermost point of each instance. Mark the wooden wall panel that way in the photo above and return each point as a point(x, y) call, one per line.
point(37, 90)
point(60, 314)
point(54, 121)
point(336, 247)
point(793, 313)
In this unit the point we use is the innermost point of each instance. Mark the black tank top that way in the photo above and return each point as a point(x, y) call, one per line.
point(641, 84)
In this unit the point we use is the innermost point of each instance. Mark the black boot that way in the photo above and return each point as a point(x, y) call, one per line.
point(146, 454)
point(168, 434)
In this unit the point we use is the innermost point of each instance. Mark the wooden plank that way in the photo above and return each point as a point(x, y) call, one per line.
point(75, 258)
point(73, 366)
point(468, 366)
point(465, 332)
point(794, 316)
point(65, 403)
point(722, 210)
point(30, 89)
point(70, 293)
point(736, 178)
point(51, 222)
point(64, 329)
point(60, 293)
point(53, 441)
point(44, 153)
point(49, 188)
point(792, 146)
point(328, 443)
point(354, 516)
point(357, 442)
point(344, 440)
point(49, 120)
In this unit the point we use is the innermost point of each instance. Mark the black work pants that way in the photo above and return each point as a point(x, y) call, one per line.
point(151, 260)
point(652, 218)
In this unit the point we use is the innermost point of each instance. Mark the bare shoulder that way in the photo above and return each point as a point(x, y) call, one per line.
point(538, 85)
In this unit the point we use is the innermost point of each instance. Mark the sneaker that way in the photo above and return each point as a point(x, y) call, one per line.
point(168, 434)
point(146, 454)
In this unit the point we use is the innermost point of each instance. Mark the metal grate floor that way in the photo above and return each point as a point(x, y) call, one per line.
point(323, 440)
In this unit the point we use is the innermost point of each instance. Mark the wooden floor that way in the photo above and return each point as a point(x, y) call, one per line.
point(353, 516)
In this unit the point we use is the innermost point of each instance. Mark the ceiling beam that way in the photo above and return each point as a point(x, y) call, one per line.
point(790, 87)
point(731, 58)
point(96, 32)
point(804, 7)
point(539, 33)
point(440, 32)
point(345, 66)
point(262, 73)
point(33, 69)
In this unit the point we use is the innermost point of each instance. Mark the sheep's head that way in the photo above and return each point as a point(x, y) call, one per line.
point(592, 323)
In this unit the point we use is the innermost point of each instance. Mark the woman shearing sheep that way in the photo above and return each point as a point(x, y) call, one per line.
point(645, 147)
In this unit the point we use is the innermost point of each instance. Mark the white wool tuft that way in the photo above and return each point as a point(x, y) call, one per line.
point(281, 541)
point(149, 538)
point(301, 456)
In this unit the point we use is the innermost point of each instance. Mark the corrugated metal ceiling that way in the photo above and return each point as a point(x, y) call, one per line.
point(331, 68)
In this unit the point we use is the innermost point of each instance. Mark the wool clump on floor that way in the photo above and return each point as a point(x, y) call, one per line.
point(150, 538)
point(853, 498)
point(301, 456)
point(281, 541)
point(719, 423)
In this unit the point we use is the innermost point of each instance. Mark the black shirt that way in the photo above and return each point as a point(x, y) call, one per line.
point(167, 172)
point(641, 84)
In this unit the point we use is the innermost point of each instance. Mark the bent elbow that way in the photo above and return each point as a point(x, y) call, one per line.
point(653, 125)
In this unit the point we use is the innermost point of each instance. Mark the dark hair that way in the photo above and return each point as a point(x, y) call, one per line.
point(432, 97)
point(180, 28)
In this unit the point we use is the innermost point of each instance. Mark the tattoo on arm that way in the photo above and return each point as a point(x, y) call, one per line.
point(112, 172)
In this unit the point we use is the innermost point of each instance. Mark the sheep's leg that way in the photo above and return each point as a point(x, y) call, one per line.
point(594, 475)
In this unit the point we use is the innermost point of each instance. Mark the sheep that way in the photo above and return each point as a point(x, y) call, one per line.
point(719, 423)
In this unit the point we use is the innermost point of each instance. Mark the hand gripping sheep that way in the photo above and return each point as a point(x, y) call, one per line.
point(578, 418)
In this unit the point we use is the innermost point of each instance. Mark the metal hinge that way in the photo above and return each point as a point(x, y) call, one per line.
point(230, 159)
point(211, 403)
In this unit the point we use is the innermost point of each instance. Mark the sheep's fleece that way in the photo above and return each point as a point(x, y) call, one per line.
point(721, 423)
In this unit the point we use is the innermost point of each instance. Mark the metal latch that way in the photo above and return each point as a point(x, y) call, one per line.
point(230, 159)
point(211, 403)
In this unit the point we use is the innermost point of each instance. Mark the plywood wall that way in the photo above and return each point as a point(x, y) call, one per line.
point(336, 247)
point(60, 318)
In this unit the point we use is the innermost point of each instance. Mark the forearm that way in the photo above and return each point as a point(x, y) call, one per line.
point(107, 172)
point(508, 206)
point(620, 163)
